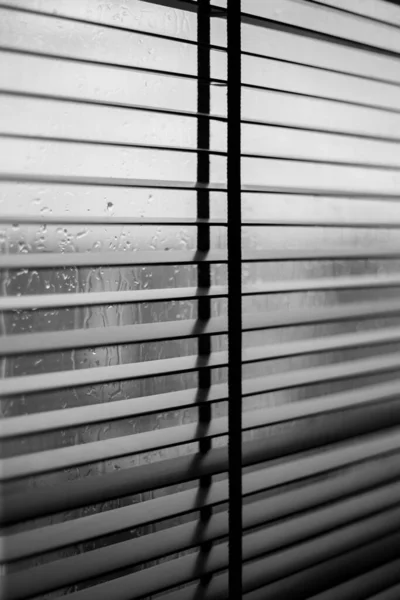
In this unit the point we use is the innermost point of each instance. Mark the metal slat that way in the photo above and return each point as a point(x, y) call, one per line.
point(27, 384)
point(69, 219)
point(321, 161)
point(280, 565)
point(328, 193)
point(126, 334)
point(126, 182)
point(364, 585)
point(182, 149)
point(101, 259)
point(95, 63)
point(183, 570)
point(287, 221)
point(337, 71)
point(99, 24)
point(109, 104)
point(181, 75)
point(191, 185)
point(352, 10)
point(309, 495)
point(323, 548)
point(95, 413)
point(35, 463)
point(323, 98)
point(131, 334)
point(183, 537)
point(282, 26)
point(333, 372)
point(309, 221)
point(277, 25)
point(42, 301)
point(389, 594)
point(186, 468)
point(37, 423)
point(182, 113)
point(329, 573)
point(97, 375)
point(155, 257)
point(191, 7)
point(327, 131)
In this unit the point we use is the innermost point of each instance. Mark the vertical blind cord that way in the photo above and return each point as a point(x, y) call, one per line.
point(203, 245)
point(234, 298)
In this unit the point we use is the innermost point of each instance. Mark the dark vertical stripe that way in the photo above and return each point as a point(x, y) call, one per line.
point(203, 244)
point(234, 299)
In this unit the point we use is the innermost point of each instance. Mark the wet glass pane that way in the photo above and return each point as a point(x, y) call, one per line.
point(106, 365)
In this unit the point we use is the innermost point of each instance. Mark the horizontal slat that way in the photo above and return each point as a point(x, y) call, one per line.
point(321, 97)
point(46, 56)
point(29, 10)
point(315, 551)
point(321, 161)
point(280, 563)
point(320, 284)
point(310, 221)
point(70, 219)
point(111, 104)
point(190, 150)
point(67, 379)
point(333, 372)
point(101, 259)
point(179, 470)
point(316, 34)
point(126, 182)
point(363, 586)
point(367, 11)
point(37, 423)
point(67, 57)
point(103, 336)
point(325, 130)
point(96, 413)
point(191, 114)
point(25, 343)
point(188, 6)
point(49, 260)
point(331, 572)
point(280, 24)
point(324, 192)
point(97, 375)
point(53, 537)
point(35, 463)
point(339, 71)
point(287, 221)
point(42, 301)
point(388, 594)
point(192, 185)
point(182, 537)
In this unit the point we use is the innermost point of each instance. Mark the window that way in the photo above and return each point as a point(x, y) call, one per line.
point(195, 255)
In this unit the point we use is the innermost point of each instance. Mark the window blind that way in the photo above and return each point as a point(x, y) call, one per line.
point(199, 306)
